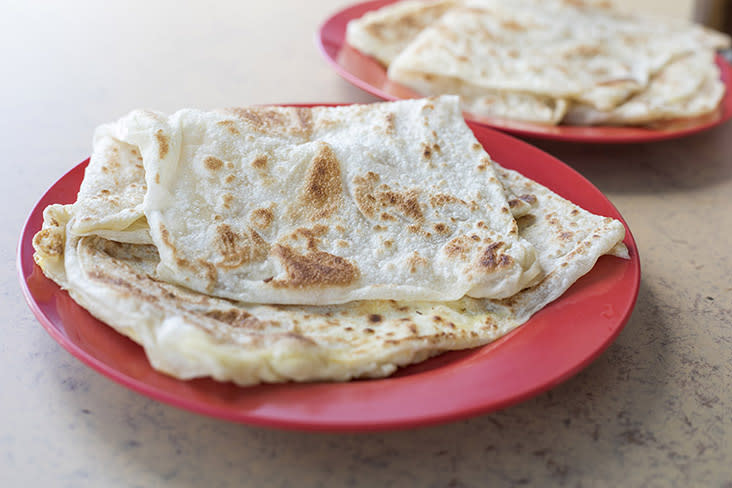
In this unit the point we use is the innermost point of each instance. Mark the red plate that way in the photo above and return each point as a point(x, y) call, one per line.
point(555, 344)
point(368, 74)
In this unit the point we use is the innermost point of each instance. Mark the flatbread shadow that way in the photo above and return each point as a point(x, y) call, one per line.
point(677, 165)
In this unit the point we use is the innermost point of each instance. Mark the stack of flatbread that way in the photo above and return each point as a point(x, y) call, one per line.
point(273, 244)
point(547, 61)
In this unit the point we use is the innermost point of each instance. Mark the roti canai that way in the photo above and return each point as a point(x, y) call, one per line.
point(535, 60)
point(191, 333)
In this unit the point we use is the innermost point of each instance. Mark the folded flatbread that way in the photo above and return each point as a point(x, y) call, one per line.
point(385, 32)
point(532, 60)
point(188, 334)
point(313, 206)
point(688, 86)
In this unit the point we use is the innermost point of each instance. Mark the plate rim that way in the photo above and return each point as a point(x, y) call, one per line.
point(588, 134)
point(304, 424)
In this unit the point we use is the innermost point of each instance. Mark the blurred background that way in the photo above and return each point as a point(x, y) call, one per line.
point(669, 8)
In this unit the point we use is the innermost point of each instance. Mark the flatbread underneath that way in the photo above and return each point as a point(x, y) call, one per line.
point(187, 335)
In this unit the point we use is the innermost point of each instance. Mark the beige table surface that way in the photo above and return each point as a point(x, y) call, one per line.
point(654, 410)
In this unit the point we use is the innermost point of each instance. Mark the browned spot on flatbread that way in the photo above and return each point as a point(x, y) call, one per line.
point(617, 82)
point(410, 22)
point(588, 51)
point(492, 259)
point(373, 201)
point(213, 163)
point(157, 178)
point(309, 235)
point(406, 202)
point(261, 218)
point(512, 25)
point(121, 283)
point(322, 193)
point(426, 151)
point(528, 199)
point(239, 249)
point(390, 127)
point(230, 125)
point(363, 186)
point(415, 261)
point(163, 143)
point(313, 269)
point(49, 241)
point(375, 318)
point(260, 162)
point(165, 235)
point(112, 161)
point(276, 120)
point(459, 247)
point(305, 120)
point(209, 270)
point(552, 219)
point(440, 199)
point(237, 318)
point(260, 119)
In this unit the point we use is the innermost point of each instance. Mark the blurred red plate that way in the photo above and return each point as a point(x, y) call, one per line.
point(555, 344)
point(368, 74)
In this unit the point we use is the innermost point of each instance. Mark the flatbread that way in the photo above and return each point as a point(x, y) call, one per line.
point(482, 102)
point(385, 32)
point(532, 60)
point(552, 48)
point(328, 205)
point(188, 335)
point(109, 203)
point(689, 86)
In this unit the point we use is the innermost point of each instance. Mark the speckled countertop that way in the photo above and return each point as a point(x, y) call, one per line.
point(654, 410)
